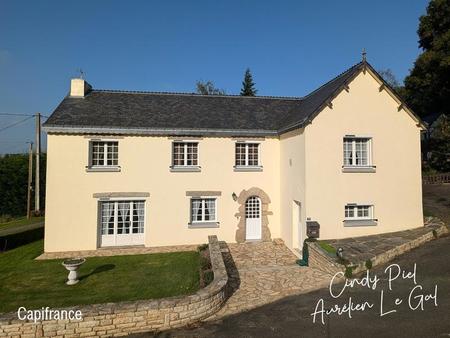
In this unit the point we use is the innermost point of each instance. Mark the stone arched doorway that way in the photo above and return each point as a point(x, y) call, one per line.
point(252, 195)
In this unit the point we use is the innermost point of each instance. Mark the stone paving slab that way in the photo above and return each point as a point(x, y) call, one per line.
point(360, 249)
point(263, 272)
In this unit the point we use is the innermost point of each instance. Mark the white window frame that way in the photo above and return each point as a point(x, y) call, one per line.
point(116, 239)
point(185, 155)
point(246, 166)
point(105, 166)
point(353, 140)
point(355, 216)
point(203, 202)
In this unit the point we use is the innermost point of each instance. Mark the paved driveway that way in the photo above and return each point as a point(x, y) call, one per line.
point(263, 272)
point(291, 316)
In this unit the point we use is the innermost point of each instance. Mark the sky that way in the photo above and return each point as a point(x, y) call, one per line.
point(291, 47)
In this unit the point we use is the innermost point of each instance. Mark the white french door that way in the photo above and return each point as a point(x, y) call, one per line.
point(122, 223)
point(253, 218)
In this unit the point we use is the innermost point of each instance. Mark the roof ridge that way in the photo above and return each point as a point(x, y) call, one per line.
point(335, 78)
point(196, 94)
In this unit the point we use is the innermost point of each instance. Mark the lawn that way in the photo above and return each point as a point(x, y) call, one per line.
point(20, 221)
point(34, 284)
point(327, 247)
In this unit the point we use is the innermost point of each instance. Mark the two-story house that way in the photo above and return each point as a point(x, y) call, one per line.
point(158, 169)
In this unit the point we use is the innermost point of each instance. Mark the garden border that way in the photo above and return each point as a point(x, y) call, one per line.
point(123, 318)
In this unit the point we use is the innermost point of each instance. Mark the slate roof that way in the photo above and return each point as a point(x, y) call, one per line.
point(172, 113)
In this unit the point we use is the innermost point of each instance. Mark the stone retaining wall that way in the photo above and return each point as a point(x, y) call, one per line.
point(401, 249)
point(119, 319)
point(320, 260)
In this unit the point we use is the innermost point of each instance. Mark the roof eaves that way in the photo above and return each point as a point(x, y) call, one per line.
point(57, 129)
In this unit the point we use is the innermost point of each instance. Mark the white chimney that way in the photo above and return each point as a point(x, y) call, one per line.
point(79, 87)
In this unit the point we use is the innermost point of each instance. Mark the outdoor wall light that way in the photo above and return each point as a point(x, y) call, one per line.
point(234, 196)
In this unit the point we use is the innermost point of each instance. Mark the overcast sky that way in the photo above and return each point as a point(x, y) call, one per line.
point(291, 47)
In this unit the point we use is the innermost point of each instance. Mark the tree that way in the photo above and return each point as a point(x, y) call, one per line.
point(389, 77)
point(248, 86)
point(427, 87)
point(208, 88)
point(438, 156)
point(13, 184)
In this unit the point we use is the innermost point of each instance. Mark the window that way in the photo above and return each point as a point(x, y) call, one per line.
point(122, 217)
point(247, 154)
point(185, 154)
point(358, 212)
point(203, 210)
point(357, 151)
point(104, 153)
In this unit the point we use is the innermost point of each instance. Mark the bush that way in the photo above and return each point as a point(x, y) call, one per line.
point(202, 247)
point(435, 234)
point(205, 263)
point(208, 277)
point(348, 272)
point(368, 264)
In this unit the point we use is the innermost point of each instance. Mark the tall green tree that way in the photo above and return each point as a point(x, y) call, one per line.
point(208, 88)
point(248, 86)
point(14, 183)
point(438, 146)
point(427, 87)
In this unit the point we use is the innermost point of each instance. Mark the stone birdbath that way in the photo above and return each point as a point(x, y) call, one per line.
point(72, 266)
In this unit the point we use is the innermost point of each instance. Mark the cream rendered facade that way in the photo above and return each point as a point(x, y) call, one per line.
point(72, 211)
point(302, 176)
point(311, 162)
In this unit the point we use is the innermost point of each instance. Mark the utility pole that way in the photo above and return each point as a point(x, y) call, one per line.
point(37, 207)
point(30, 178)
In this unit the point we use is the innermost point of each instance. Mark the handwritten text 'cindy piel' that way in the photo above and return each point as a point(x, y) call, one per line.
point(416, 300)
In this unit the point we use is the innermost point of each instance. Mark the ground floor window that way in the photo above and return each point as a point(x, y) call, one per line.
point(122, 217)
point(203, 210)
point(357, 212)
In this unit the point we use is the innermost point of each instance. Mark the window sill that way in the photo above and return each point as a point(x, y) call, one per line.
point(201, 225)
point(103, 169)
point(357, 169)
point(360, 222)
point(248, 168)
point(185, 169)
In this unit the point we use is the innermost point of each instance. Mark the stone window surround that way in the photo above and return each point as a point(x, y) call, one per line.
point(265, 201)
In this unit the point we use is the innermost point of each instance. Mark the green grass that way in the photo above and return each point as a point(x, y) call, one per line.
point(20, 221)
point(327, 247)
point(34, 284)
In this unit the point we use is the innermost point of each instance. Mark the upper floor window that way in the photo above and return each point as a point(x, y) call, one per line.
point(185, 154)
point(357, 152)
point(104, 153)
point(247, 155)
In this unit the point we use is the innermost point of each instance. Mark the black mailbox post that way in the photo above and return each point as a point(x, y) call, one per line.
point(312, 229)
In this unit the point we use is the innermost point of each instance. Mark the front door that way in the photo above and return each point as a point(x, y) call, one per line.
point(253, 218)
point(122, 223)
